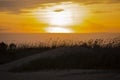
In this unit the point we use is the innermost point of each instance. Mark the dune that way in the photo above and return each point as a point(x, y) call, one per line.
point(48, 54)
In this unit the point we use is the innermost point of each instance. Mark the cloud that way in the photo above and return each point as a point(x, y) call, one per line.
point(118, 9)
point(3, 28)
point(14, 5)
point(17, 5)
point(102, 11)
point(113, 1)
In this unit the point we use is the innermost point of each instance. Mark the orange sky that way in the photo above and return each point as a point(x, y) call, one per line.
point(93, 16)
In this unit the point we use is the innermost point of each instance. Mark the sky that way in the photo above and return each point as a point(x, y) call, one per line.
point(59, 16)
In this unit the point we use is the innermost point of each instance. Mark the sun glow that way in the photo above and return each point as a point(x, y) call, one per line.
point(62, 15)
point(62, 18)
point(58, 30)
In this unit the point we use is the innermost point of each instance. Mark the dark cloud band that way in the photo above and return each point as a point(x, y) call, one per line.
point(17, 5)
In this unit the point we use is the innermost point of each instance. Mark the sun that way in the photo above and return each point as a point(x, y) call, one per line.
point(61, 16)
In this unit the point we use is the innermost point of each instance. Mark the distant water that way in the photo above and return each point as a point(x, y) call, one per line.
point(49, 38)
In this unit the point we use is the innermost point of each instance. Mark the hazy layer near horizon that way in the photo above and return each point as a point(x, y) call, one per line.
point(50, 38)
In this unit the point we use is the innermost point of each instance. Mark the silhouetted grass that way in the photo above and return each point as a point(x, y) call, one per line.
point(9, 54)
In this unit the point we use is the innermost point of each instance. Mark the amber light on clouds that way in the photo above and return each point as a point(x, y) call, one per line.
point(60, 17)
point(76, 16)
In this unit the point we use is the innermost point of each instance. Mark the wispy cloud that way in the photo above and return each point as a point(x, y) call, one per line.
point(17, 5)
point(102, 11)
point(113, 1)
point(4, 28)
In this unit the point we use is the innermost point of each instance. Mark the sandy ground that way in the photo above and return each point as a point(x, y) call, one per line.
point(61, 75)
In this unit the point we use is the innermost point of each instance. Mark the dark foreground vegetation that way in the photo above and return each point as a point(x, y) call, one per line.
point(11, 52)
point(89, 55)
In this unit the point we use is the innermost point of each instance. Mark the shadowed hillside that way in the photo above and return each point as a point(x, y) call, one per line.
point(87, 55)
